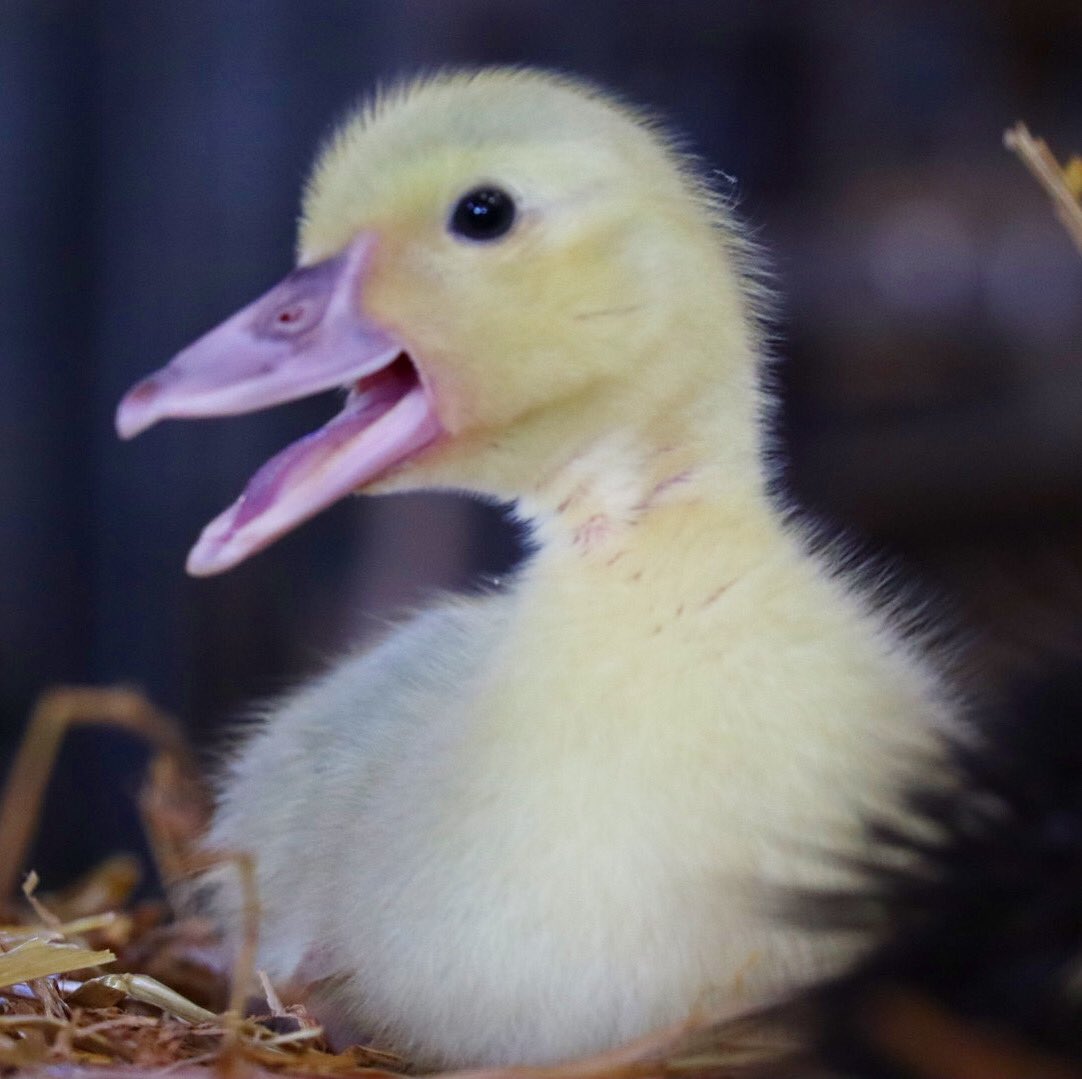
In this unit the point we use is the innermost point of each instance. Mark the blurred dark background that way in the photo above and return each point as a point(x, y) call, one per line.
point(151, 155)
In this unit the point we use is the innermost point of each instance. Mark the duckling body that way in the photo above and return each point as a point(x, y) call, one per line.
point(538, 822)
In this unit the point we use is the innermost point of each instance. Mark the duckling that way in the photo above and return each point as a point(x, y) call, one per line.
point(537, 822)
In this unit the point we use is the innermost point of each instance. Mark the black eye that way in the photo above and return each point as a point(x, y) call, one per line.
point(484, 214)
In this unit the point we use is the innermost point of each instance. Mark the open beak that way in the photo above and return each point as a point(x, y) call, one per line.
point(304, 336)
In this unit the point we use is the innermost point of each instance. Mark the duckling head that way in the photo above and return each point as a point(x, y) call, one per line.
point(503, 269)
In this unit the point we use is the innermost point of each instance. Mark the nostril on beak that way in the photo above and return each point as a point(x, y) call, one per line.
point(298, 303)
point(289, 317)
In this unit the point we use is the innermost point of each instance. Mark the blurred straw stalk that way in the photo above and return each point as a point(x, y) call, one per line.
point(1062, 182)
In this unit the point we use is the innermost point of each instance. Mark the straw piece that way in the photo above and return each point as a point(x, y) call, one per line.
point(54, 714)
point(95, 993)
point(38, 958)
point(45, 915)
point(1063, 185)
point(149, 990)
point(244, 974)
point(1072, 173)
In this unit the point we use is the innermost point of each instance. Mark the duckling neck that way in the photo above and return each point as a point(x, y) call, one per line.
point(696, 469)
point(638, 548)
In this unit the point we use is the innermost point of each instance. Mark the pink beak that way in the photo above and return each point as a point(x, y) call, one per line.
point(304, 336)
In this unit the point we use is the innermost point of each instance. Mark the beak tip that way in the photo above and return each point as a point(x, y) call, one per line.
point(128, 423)
point(217, 548)
point(202, 563)
point(136, 411)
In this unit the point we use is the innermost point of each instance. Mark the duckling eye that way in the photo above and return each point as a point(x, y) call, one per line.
point(486, 213)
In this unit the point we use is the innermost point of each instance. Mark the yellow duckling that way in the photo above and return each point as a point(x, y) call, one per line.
point(538, 822)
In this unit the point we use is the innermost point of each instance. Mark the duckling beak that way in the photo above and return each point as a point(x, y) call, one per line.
point(306, 335)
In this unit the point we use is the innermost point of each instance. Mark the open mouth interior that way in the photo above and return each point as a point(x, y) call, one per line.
point(387, 417)
point(383, 387)
point(368, 400)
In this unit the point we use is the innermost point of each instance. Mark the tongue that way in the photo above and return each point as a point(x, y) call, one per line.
point(374, 432)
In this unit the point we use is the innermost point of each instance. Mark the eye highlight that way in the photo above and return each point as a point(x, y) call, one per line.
point(486, 213)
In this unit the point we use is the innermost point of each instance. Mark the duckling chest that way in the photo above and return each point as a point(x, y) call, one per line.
point(526, 747)
point(508, 773)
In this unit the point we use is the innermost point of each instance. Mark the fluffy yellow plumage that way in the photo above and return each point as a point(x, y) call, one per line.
point(538, 822)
